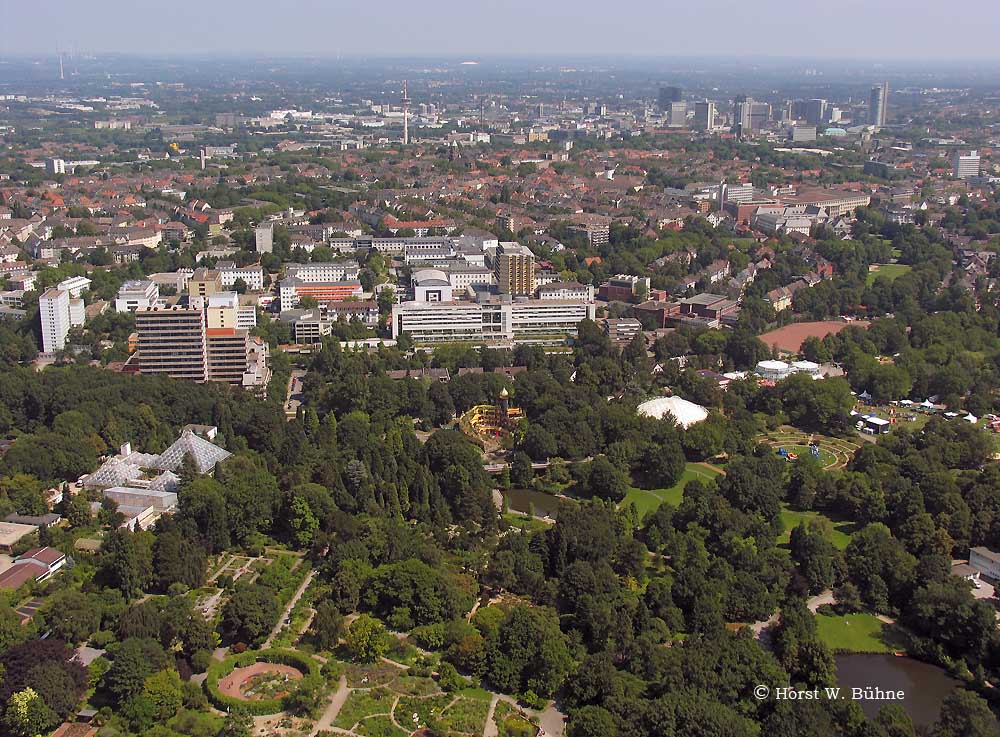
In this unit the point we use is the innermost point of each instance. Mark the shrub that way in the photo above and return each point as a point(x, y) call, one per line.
point(102, 638)
point(200, 661)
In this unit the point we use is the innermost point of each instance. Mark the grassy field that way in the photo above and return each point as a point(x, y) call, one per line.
point(826, 458)
point(647, 500)
point(889, 271)
point(856, 633)
point(790, 519)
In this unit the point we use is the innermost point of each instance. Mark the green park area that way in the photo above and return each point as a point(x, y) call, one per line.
point(887, 271)
point(408, 703)
point(790, 519)
point(647, 500)
point(857, 633)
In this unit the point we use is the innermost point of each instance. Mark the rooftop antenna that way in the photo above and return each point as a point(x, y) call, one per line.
point(406, 116)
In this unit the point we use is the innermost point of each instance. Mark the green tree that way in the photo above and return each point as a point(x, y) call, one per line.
point(367, 639)
point(27, 715)
point(592, 721)
point(238, 723)
point(134, 660)
point(250, 613)
point(965, 714)
point(73, 616)
point(327, 625)
point(163, 689)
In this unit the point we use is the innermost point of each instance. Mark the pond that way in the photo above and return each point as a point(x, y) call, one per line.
point(925, 686)
point(519, 500)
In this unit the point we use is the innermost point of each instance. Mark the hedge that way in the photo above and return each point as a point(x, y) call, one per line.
point(220, 669)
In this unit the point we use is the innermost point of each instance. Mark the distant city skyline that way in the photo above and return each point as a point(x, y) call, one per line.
point(851, 29)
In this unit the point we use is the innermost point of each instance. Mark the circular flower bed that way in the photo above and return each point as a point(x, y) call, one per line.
point(259, 682)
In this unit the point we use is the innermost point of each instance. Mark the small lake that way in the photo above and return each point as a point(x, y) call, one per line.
point(519, 500)
point(925, 686)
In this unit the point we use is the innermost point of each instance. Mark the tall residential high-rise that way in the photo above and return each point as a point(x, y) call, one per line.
point(514, 269)
point(172, 341)
point(53, 311)
point(208, 339)
point(264, 237)
point(58, 311)
point(878, 105)
point(704, 115)
point(668, 95)
point(966, 165)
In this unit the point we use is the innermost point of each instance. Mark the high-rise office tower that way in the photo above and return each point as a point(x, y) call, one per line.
point(704, 115)
point(878, 104)
point(514, 268)
point(677, 114)
point(966, 165)
point(668, 95)
point(760, 115)
point(406, 116)
point(742, 111)
point(815, 111)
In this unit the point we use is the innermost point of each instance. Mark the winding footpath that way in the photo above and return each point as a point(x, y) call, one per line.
point(288, 609)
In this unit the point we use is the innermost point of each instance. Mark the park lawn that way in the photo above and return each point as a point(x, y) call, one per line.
point(826, 458)
point(790, 519)
point(855, 633)
point(889, 271)
point(648, 500)
point(528, 524)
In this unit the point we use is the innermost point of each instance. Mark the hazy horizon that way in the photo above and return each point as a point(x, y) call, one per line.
point(891, 31)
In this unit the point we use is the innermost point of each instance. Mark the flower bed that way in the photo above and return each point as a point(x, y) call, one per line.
point(292, 662)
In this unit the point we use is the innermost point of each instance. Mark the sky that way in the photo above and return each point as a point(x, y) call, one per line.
point(808, 29)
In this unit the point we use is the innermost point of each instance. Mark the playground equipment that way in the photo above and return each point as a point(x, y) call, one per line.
point(490, 421)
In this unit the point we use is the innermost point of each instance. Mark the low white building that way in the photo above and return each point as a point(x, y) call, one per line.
point(986, 562)
point(566, 290)
point(136, 295)
point(252, 275)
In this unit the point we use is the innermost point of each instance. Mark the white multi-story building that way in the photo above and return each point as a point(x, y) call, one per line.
point(323, 271)
point(58, 312)
point(136, 295)
point(986, 562)
point(966, 166)
point(566, 290)
point(737, 193)
point(74, 285)
point(230, 273)
point(264, 238)
point(521, 320)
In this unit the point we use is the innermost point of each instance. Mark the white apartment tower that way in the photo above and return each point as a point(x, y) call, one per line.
point(966, 165)
point(58, 313)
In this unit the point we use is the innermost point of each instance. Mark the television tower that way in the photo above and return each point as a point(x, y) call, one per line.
point(61, 73)
point(406, 116)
